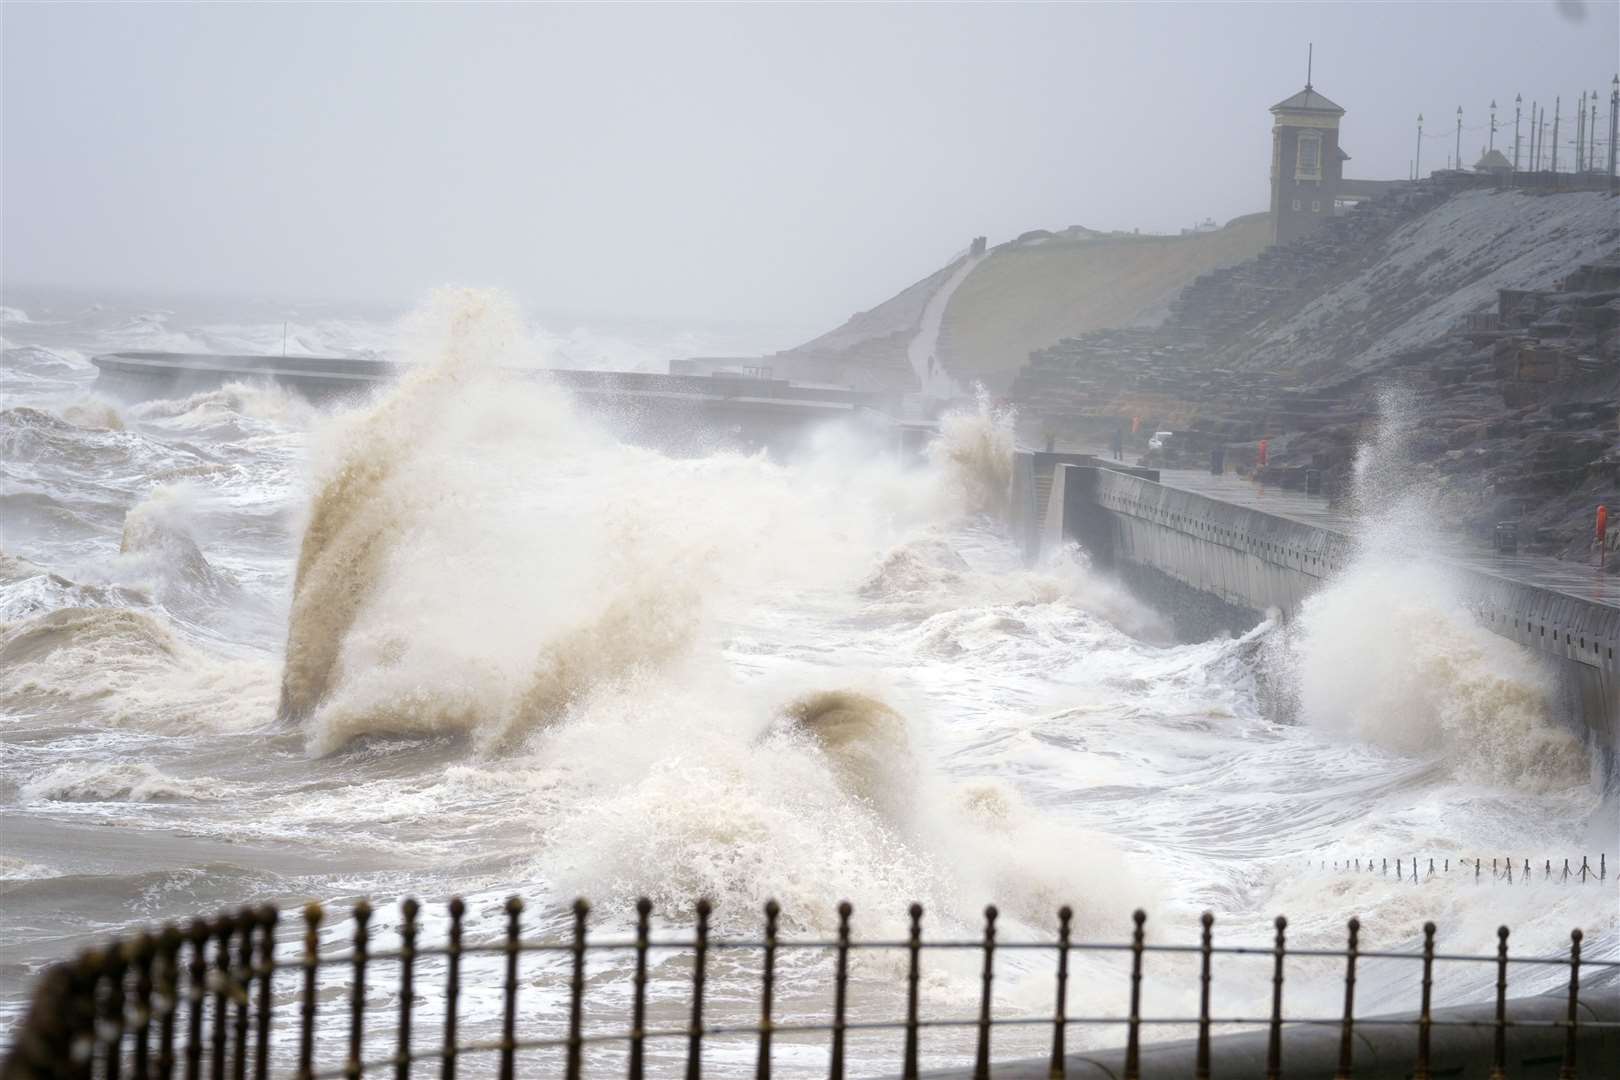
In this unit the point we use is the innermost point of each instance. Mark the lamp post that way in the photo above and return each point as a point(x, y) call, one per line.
point(1459, 138)
point(1493, 125)
point(1614, 111)
point(1591, 137)
point(1580, 132)
point(1518, 107)
point(1417, 161)
point(1558, 107)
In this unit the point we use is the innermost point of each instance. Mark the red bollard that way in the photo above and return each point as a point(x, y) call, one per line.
point(1602, 531)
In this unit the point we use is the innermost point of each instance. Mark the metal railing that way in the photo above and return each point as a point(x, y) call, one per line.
point(213, 998)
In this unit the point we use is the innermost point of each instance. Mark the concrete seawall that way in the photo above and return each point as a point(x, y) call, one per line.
point(1213, 565)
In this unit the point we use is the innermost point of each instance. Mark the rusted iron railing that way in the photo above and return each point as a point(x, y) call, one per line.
point(212, 998)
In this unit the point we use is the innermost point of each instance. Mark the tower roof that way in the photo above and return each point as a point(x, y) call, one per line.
point(1307, 100)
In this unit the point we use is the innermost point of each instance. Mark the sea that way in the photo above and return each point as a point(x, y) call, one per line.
point(463, 637)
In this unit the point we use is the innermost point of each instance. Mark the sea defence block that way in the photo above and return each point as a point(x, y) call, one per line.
point(1213, 565)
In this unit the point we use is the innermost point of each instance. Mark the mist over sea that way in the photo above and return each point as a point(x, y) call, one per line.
point(456, 638)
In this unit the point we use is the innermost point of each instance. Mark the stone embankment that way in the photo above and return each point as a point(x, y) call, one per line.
point(1497, 312)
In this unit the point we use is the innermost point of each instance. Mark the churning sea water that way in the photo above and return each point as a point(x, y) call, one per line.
point(457, 638)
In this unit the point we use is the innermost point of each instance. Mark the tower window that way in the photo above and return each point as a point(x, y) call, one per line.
point(1296, 204)
point(1308, 159)
point(1316, 206)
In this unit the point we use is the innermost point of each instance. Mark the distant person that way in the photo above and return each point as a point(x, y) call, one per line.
point(1117, 444)
point(1265, 453)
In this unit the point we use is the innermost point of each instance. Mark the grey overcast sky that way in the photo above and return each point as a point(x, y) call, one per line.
point(704, 162)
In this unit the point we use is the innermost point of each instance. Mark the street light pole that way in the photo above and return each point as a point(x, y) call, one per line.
point(1558, 107)
point(1458, 166)
point(1614, 112)
point(1591, 137)
point(1580, 132)
point(1518, 106)
point(1493, 125)
point(1417, 166)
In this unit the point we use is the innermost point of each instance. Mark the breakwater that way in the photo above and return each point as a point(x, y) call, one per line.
point(1220, 564)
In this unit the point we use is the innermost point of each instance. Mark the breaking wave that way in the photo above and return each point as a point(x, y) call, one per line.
point(976, 451)
point(1389, 652)
point(134, 781)
point(127, 668)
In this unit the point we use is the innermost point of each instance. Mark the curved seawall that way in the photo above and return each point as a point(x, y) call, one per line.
point(1214, 565)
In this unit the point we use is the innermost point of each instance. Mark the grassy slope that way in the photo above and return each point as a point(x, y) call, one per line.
point(1024, 298)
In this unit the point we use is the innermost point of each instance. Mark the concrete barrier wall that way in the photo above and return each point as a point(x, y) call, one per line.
point(1217, 565)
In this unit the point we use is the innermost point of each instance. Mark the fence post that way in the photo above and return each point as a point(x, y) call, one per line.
point(1566, 1071)
point(1499, 1051)
point(981, 1063)
point(914, 947)
point(199, 932)
point(1133, 1044)
point(452, 987)
point(112, 1038)
point(306, 1008)
point(700, 955)
point(638, 1021)
point(1274, 1036)
point(222, 1002)
point(141, 952)
point(1060, 1014)
point(767, 991)
point(514, 912)
point(241, 988)
point(1424, 1019)
point(357, 990)
point(576, 990)
point(1346, 1031)
point(1201, 1065)
point(408, 909)
point(840, 990)
point(268, 917)
point(169, 942)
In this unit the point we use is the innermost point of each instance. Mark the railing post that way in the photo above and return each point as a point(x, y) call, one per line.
point(1347, 1029)
point(1060, 1013)
point(112, 1037)
point(767, 991)
point(1201, 1066)
point(638, 1009)
point(1274, 1035)
point(219, 1046)
point(452, 988)
point(1499, 1051)
point(1133, 1029)
point(908, 1069)
point(576, 990)
point(1425, 1021)
point(169, 942)
point(306, 1007)
point(514, 912)
point(141, 952)
point(700, 956)
point(408, 910)
point(840, 990)
point(1566, 1071)
point(240, 988)
point(86, 978)
point(200, 932)
point(981, 1060)
point(268, 917)
point(357, 990)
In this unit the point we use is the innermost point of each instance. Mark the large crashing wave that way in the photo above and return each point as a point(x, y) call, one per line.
point(1389, 652)
point(482, 561)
